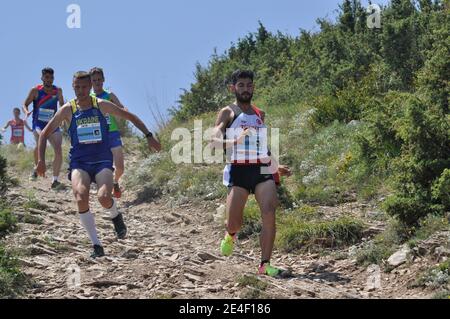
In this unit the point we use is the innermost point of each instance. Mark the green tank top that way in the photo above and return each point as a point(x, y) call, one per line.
point(113, 127)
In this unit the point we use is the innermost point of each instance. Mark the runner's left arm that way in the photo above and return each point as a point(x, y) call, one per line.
point(110, 108)
point(263, 115)
point(25, 123)
point(283, 170)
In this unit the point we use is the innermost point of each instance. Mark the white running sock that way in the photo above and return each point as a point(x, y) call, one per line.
point(55, 178)
point(88, 222)
point(113, 212)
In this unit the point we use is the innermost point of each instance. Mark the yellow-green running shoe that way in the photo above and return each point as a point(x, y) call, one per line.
point(269, 270)
point(227, 245)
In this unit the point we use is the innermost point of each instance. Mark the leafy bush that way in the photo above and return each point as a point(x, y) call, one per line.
point(295, 234)
point(12, 280)
point(8, 221)
point(383, 245)
point(436, 277)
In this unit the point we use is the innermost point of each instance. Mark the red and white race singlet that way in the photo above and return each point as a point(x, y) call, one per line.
point(253, 149)
point(17, 131)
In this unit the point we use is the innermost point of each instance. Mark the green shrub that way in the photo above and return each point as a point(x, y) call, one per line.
point(295, 234)
point(435, 278)
point(408, 209)
point(8, 222)
point(383, 245)
point(441, 190)
point(429, 226)
point(12, 280)
point(375, 253)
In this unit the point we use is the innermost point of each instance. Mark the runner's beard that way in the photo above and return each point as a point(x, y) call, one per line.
point(244, 98)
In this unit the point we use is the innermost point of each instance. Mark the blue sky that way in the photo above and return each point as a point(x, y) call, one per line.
point(145, 47)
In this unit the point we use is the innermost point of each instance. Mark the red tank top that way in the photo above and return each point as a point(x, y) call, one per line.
point(17, 131)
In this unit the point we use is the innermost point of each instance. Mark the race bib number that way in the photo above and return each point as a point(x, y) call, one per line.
point(253, 147)
point(45, 115)
point(89, 133)
point(17, 133)
point(248, 147)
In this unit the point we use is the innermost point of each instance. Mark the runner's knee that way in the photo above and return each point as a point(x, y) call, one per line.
point(269, 208)
point(81, 195)
point(104, 198)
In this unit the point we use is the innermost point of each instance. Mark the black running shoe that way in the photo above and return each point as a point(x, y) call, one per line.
point(56, 185)
point(120, 227)
point(98, 252)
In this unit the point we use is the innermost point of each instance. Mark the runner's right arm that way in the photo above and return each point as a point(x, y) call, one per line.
point(3, 129)
point(60, 97)
point(217, 140)
point(6, 126)
point(64, 114)
point(31, 97)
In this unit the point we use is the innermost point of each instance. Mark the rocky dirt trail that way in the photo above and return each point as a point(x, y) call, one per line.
point(171, 252)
